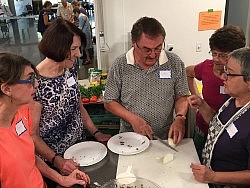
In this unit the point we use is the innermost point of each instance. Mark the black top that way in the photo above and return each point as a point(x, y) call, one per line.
point(41, 26)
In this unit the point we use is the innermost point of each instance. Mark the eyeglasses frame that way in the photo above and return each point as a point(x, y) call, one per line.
point(219, 55)
point(151, 50)
point(226, 75)
point(32, 80)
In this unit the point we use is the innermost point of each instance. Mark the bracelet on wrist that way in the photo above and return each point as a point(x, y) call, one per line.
point(96, 132)
point(53, 159)
point(181, 116)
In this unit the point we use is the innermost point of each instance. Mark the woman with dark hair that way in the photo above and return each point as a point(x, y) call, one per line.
point(20, 167)
point(59, 115)
point(46, 16)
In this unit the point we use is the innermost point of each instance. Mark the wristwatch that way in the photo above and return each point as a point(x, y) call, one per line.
point(181, 116)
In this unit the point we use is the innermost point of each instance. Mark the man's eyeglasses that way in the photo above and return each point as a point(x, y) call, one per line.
point(32, 80)
point(223, 56)
point(226, 74)
point(148, 51)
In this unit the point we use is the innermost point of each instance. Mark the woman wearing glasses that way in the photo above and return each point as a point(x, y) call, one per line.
point(20, 167)
point(226, 154)
point(147, 84)
point(223, 41)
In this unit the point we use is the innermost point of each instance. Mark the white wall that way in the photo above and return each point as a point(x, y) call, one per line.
point(179, 18)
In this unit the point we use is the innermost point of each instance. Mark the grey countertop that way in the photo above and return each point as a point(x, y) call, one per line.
point(102, 171)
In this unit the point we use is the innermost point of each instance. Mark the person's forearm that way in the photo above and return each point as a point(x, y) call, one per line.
point(118, 110)
point(40, 146)
point(232, 178)
point(88, 123)
point(181, 105)
point(43, 149)
point(192, 86)
point(46, 20)
point(191, 80)
point(48, 172)
point(206, 111)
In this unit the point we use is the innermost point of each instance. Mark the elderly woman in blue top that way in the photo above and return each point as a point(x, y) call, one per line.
point(226, 155)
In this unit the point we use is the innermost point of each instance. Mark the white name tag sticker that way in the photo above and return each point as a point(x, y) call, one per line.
point(231, 130)
point(20, 128)
point(222, 88)
point(71, 81)
point(165, 74)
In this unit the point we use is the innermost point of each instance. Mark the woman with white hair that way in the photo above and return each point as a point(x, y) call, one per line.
point(226, 154)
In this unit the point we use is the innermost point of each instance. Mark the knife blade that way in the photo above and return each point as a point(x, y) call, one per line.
point(165, 143)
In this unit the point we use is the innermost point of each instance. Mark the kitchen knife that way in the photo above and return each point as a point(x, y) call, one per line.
point(164, 142)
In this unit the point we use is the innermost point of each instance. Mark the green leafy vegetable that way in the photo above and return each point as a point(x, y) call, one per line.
point(91, 91)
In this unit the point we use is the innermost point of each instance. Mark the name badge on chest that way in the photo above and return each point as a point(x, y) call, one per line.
point(165, 74)
point(20, 128)
point(71, 81)
point(231, 130)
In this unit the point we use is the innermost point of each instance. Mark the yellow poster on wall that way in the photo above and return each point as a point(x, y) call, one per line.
point(209, 20)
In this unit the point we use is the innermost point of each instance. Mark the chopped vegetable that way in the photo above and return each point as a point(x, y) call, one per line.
point(168, 158)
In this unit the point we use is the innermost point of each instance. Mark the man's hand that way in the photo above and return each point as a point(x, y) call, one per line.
point(140, 126)
point(100, 137)
point(177, 130)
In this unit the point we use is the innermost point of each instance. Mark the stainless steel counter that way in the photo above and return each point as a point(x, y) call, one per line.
point(103, 171)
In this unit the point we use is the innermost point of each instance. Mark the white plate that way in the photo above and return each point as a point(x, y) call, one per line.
point(128, 143)
point(86, 153)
